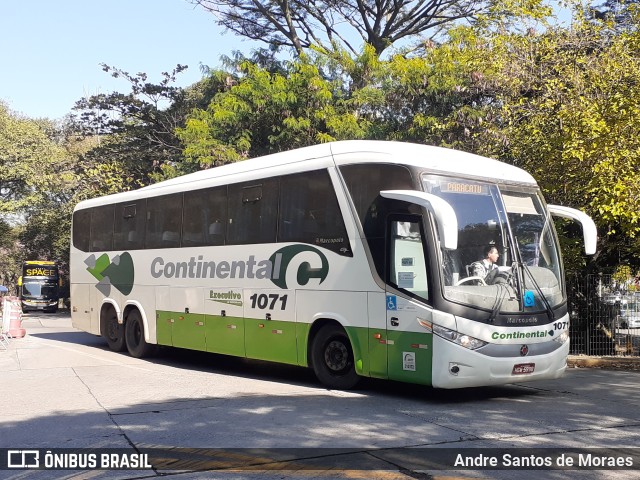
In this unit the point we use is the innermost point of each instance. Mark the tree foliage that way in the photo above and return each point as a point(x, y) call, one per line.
point(557, 101)
point(570, 115)
point(263, 112)
point(36, 178)
point(347, 24)
point(136, 131)
point(30, 163)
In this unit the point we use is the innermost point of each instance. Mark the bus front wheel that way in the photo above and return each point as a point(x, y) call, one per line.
point(332, 358)
point(112, 331)
point(134, 336)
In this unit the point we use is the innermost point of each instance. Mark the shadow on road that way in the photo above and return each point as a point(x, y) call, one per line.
point(290, 374)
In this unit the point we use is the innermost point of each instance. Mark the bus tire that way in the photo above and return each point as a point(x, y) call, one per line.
point(134, 336)
point(332, 358)
point(112, 331)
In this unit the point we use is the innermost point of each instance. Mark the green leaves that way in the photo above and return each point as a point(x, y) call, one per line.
point(265, 112)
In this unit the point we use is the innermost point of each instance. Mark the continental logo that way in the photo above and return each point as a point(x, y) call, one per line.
point(521, 335)
point(275, 268)
point(306, 271)
point(117, 272)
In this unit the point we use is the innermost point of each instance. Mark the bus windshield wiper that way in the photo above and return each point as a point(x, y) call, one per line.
point(539, 291)
point(503, 291)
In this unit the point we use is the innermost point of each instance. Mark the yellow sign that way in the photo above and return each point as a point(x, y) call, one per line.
point(39, 272)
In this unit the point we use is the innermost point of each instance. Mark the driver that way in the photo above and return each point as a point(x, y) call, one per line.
point(483, 267)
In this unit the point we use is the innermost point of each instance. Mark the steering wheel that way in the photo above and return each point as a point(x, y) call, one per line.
point(496, 277)
point(470, 279)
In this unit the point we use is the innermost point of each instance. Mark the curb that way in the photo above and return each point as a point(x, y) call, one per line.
point(621, 363)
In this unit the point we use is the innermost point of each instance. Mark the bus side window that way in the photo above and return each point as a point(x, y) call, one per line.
point(253, 211)
point(102, 228)
point(82, 229)
point(407, 263)
point(364, 182)
point(129, 225)
point(204, 217)
point(309, 212)
point(164, 221)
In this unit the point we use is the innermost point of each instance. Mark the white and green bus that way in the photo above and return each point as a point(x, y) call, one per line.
point(352, 258)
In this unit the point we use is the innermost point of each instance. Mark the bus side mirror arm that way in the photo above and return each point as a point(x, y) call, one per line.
point(589, 230)
point(443, 213)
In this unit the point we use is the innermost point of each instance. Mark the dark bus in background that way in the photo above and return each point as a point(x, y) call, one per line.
point(39, 286)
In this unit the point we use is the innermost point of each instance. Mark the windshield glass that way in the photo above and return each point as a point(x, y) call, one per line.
point(507, 256)
point(39, 290)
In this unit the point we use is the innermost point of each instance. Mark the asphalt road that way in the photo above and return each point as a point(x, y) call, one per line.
point(231, 418)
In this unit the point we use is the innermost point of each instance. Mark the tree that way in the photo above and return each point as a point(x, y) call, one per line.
point(620, 12)
point(346, 24)
point(264, 112)
point(560, 103)
point(9, 256)
point(35, 180)
point(136, 131)
point(30, 163)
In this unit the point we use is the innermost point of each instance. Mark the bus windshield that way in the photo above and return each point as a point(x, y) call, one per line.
point(41, 289)
point(515, 222)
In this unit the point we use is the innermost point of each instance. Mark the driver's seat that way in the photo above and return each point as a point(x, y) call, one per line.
point(470, 269)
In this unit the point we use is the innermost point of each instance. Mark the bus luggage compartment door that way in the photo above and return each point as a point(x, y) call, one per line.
point(270, 328)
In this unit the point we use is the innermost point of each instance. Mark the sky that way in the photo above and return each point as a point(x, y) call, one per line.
point(51, 50)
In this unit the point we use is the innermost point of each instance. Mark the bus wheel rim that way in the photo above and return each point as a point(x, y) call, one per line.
point(336, 356)
point(112, 329)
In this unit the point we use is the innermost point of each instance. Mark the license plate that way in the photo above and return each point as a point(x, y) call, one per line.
point(523, 368)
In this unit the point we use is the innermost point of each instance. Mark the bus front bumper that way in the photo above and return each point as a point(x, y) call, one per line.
point(39, 305)
point(457, 367)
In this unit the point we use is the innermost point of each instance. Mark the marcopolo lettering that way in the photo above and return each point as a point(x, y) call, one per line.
point(199, 268)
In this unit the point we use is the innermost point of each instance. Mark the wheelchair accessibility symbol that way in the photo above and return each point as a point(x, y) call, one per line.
point(529, 299)
point(392, 302)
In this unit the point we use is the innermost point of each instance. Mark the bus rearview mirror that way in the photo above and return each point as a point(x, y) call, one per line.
point(443, 213)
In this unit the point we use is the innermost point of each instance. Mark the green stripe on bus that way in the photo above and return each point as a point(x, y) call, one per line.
point(403, 356)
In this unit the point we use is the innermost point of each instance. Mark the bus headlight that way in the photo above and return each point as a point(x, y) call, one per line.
point(466, 341)
point(562, 338)
point(471, 343)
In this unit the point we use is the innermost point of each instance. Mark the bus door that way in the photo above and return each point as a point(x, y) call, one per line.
point(409, 345)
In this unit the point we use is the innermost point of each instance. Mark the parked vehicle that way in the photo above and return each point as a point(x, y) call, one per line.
point(629, 315)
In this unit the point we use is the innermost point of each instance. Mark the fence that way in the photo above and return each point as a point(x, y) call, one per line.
point(605, 316)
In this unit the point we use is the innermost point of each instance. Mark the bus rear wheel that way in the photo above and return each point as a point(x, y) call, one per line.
point(134, 336)
point(112, 331)
point(332, 358)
